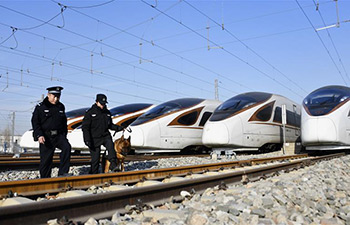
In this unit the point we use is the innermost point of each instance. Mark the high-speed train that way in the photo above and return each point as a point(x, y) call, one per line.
point(325, 123)
point(74, 120)
point(122, 115)
point(252, 121)
point(172, 126)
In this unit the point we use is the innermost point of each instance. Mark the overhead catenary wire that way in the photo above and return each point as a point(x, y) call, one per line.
point(89, 6)
point(245, 45)
point(118, 49)
point(128, 28)
point(170, 52)
point(323, 44)
point(333, 44)
point(98, 88)
point(112, 76)
point(228, 52)
point(106, 75)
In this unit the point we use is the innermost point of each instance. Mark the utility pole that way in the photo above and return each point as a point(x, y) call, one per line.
point(13, 130)
point(216, 90)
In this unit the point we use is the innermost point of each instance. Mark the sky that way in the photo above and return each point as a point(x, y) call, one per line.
point(152, 51)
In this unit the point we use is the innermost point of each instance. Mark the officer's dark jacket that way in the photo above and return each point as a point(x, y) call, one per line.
point(96, 123)
point(47, 117)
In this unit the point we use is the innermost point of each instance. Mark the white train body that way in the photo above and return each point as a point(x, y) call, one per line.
point(74, 120)
point(172, 126)
point(326, 119)
point(122, 115)
point(252, 121)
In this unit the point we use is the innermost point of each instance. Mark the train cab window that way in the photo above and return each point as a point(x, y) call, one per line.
point(238, 104)
point(205, 118)
point(323, 100)
point(76, 113)
point(129, 108)
point(264, 114)
point(166, 108)
point(128, 122)
point(188, 119)
point(278, 115)
point(76, 125)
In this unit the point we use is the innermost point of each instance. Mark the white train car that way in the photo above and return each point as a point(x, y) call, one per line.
point(252, 121)
point(74, 120)
point(172, 126)
point(325, 123)
point(122, 115)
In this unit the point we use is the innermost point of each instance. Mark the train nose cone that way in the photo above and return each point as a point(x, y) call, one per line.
point(215, 134)
point(27, 140)
point(76, 139)
point(318, 130)
point(137, 137)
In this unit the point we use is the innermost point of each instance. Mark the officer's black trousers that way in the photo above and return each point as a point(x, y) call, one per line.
point(96, 151)
point(46, 155)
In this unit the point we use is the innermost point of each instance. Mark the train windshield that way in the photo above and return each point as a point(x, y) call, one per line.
point(166, 108)
point(236, 104)
point(124, 109)
point(324, 100)
point(76, 113)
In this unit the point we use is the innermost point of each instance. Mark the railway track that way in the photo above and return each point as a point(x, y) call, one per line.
point(32, 162)
point(104, 205)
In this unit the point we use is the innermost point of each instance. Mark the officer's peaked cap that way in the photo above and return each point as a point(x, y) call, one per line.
point(101, 98)
point(54, 90)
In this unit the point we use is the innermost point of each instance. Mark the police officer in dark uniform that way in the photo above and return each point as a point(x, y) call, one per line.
point(96, 124)
point(49, 123)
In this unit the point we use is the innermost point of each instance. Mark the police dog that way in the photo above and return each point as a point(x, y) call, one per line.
point(122, 147)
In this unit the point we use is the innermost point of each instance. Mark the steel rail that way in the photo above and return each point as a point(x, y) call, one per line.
point(32, 162)
point(54, 185)
point(8, 158)
point(104, 205)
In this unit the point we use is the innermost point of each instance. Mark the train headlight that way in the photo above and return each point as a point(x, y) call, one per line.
point(305, 102)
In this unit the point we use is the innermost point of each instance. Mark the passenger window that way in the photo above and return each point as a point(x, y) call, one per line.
point(290, 118)
point(293, 119)
point(278, 115)
point(205, 118)
point(188, 119)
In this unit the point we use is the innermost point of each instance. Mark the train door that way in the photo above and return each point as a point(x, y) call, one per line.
point(297, 119)
point(347, 128)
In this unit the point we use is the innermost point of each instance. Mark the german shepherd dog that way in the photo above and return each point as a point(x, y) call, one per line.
point(122, 147)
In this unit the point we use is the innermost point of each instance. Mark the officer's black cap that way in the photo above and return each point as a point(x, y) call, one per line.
point(54, 90)
point(101, 98)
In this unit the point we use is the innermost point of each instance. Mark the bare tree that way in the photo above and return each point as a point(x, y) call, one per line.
point(6, 137)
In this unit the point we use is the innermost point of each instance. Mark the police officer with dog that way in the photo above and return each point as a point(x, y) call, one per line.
point(49, 124)
point(96, 124)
